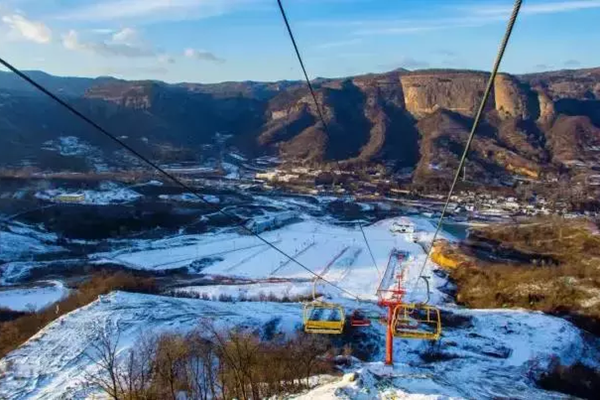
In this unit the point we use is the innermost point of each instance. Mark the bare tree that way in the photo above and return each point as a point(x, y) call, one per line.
point(104, 354)
point(136, 373)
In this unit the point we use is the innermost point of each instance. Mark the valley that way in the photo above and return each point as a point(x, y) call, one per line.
point(408, 125)
point(205, 267)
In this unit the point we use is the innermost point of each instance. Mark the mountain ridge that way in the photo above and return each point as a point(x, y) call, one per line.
point(535, 125)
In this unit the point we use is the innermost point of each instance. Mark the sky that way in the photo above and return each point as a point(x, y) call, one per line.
point(233, 40)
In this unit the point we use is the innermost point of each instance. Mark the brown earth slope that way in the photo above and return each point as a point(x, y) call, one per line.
point(546, 264)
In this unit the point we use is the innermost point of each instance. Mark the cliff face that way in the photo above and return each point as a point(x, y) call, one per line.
point(533, 125)
point(511, 100)
point(424, 93)
point(421, 120)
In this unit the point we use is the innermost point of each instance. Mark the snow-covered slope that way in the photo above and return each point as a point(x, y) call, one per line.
point(483, 354)
point(32, 298)
point(337, 253)
point(53, 363)
point(493, 357)
point(20, 242)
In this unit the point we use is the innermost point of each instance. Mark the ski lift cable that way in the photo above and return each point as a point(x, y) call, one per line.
point(486, 95)
point(319, 112)
point(166, 174)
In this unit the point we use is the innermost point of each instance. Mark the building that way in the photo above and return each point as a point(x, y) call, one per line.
point(70, 198)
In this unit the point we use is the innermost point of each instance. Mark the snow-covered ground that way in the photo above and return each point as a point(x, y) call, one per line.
point(69, 146)
point(109, 193)
point(233, 171)
point(19, 241)
point(190, 197)
point(54, 363)
point(483, 354)
point(335, 252)
point(17, 271)
point(253, 291)
point(72, 146)
point(32, 298)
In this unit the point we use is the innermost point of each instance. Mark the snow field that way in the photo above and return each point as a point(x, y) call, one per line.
point(250, 291)
point(337, 253)
point(110, 193)
point(34, 298)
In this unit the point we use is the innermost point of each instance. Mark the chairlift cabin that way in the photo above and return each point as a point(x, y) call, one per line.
point(324, 318)
point(359, 319)
point(416, 321)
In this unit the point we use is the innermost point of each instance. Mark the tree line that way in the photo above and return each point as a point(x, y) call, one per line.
point(208, 364)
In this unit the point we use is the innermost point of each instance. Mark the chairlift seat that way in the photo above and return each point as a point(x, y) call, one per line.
point(417, 321)
point(324, 318)
point(358, 319)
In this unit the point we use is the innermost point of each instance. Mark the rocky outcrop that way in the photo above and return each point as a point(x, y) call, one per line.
point(425, 92)
point(567, 84)
point(547, 112)
point(510, 98)
point(126, 94)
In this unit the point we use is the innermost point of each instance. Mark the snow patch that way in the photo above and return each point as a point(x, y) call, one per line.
point(190, 198)
point(34, 298)
point(109, 194)
point(233, 171)
point(69, 146)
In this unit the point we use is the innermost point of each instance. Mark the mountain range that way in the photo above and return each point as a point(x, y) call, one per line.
point(535, 126)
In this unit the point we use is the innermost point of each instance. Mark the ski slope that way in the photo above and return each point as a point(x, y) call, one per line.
point(337, 253)
point(21, 241)
point(486, 354)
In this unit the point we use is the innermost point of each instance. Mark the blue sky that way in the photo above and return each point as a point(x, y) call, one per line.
point(218, 40)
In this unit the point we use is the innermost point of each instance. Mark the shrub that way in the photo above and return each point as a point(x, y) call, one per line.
point(576, 380)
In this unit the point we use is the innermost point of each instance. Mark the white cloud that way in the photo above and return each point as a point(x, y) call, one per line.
point(126, 36)
point(468, 17)
point(202, 55)
point(341, 43)
point(121, 44)
point(548, 7)
point(21, 27)
point(152, 10)
point(71, 41)
point(102, 31)
point(387, 26)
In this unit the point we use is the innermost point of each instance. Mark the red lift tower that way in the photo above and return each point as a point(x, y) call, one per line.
point(404, 320)
point(391, 298)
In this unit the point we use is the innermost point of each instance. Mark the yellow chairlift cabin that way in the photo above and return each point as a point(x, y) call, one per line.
point(323, 317)
point(416, 321)
point(407, 320)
